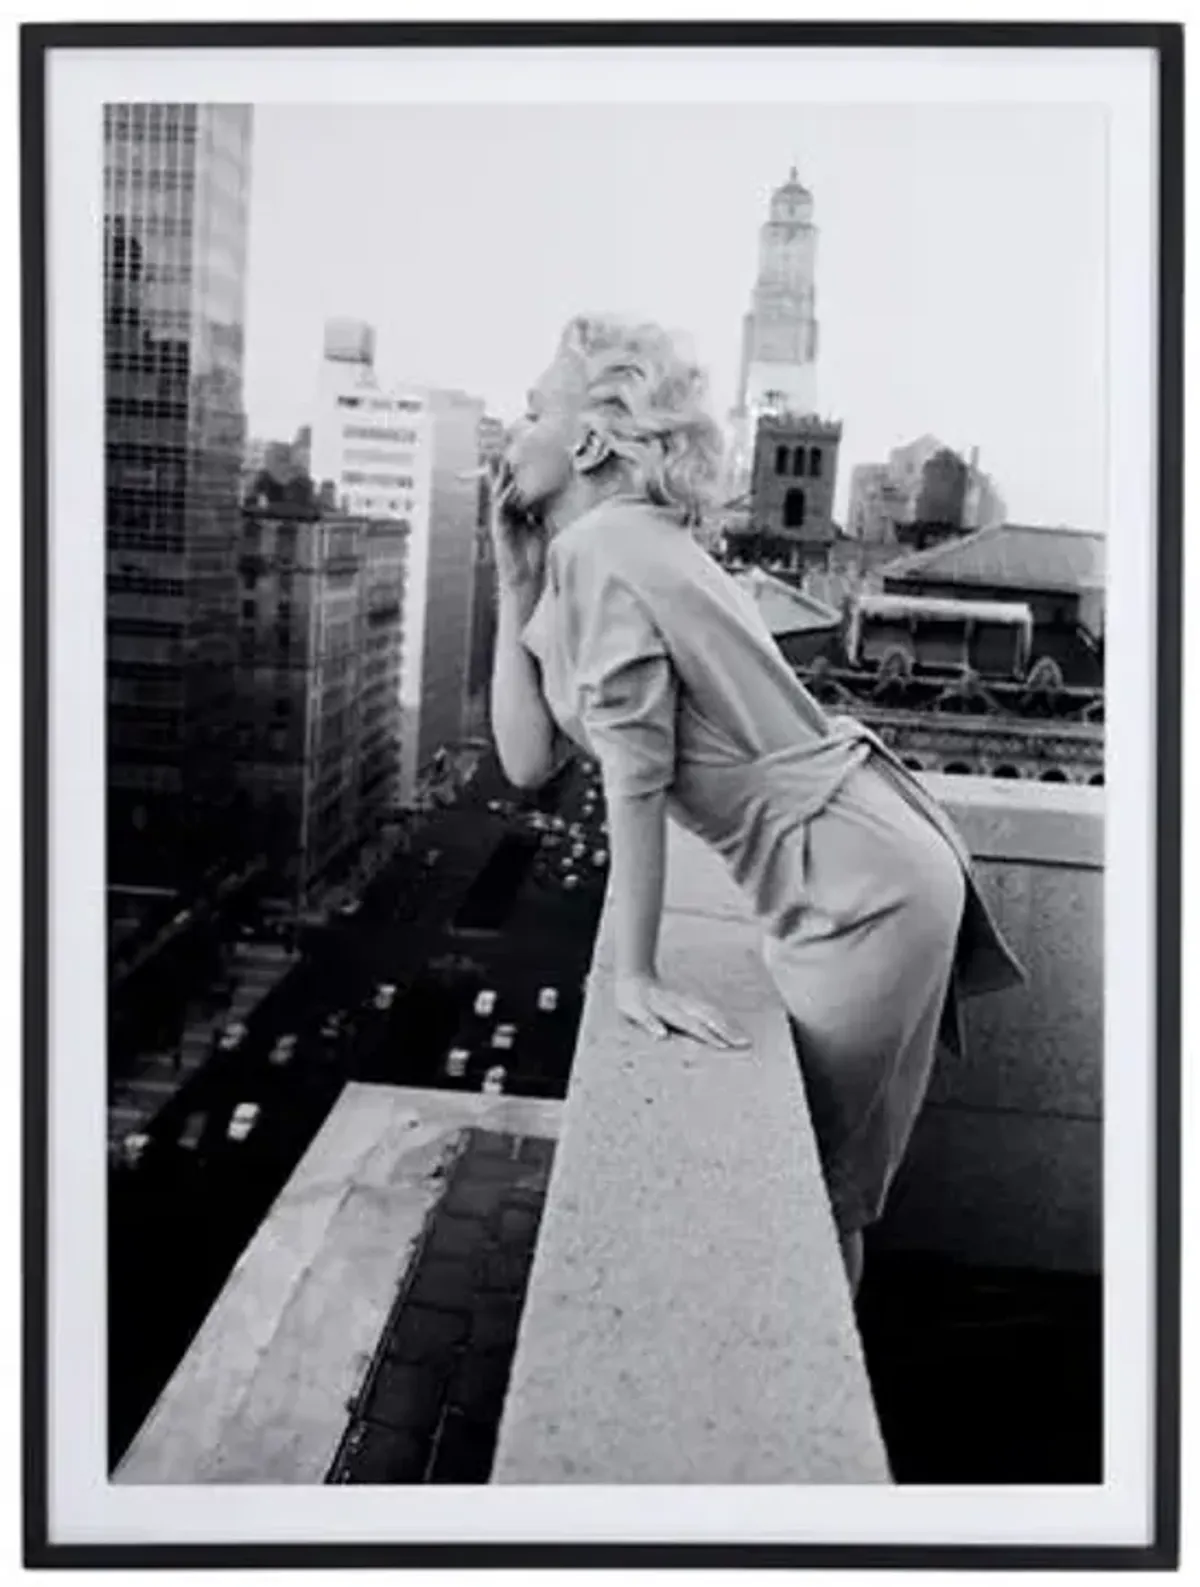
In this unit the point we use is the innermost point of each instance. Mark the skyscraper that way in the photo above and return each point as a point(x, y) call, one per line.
point(176, 192)
point(319, 682)
point(396, 451)
point(441, 692)
point(367, 440)
point(779, 331)
point(483, 595)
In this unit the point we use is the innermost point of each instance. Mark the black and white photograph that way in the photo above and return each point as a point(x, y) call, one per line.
point(607, 730)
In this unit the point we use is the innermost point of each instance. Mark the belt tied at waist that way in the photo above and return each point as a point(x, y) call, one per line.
point(729, 809)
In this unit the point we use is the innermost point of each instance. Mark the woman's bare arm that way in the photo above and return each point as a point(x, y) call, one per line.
point(522, 726)
point(638, 833)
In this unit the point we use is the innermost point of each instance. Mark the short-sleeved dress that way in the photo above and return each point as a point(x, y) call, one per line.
point(656, 661)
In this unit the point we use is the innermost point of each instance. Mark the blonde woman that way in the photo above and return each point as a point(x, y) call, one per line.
point(619, 633)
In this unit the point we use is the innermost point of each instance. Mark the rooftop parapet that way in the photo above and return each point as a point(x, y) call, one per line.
point(688, 1317)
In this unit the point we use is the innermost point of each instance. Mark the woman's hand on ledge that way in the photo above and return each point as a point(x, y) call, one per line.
point(653, 1007)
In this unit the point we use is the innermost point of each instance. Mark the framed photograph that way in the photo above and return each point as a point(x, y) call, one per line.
point(602, 794)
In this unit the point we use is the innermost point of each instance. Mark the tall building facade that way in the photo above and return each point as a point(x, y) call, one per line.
point(318, 729)
point(492, 436)
point(779, 331)
point(385, 545)
point(176, 195)
point(409, 454)
point(436, 697)
point(368, 440)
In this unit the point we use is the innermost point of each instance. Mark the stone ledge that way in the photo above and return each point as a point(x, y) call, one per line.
point(1040, 823)
point(1006, 1162)
point(688, 1318)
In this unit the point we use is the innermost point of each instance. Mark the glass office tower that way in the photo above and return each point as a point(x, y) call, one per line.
point(176, 194)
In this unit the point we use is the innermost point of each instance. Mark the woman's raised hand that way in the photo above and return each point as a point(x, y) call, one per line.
point(517, 538)
point(647, 1003)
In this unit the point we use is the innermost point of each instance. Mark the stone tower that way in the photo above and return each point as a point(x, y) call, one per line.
point(779, 332)
point(793, 482)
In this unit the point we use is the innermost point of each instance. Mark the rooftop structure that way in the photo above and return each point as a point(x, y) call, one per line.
point(1018, 556)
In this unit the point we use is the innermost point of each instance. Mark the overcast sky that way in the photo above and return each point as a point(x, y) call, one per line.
point(960, 275)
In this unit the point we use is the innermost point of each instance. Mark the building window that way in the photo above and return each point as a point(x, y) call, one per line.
point(798, 462)
point(781, 459)
point(249, 609)
point(814, 463)
point(354, 476)
point(793, 509)
point(366, 454)
point(378, 432)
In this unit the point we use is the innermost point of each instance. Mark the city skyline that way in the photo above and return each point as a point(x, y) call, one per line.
point(960, 265)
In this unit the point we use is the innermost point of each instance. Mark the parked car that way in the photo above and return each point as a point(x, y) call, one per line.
point(283, 1051)
point(570, 882)
point(485, 1003)
point(493, 1080)
point(133, 1148)
point(385, 996)
point(504, 1036)
point(600, 857)
point(193, 1131)
point(456, 1062)
point(245, 1117)
point(232, 1036)
point(333, 1025)
point(547, 1000)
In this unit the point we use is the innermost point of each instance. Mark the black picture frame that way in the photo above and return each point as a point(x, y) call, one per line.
point(1166, 42)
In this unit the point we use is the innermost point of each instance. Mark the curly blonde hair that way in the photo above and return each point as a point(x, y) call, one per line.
point(649, 401)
